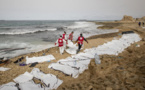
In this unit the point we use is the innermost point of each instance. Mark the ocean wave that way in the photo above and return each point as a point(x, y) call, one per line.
point(17, 32)
point(11, 49)
point(81, 24)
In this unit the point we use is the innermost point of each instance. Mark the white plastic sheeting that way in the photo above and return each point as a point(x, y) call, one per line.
point(30, 85)
point(83, 56)
point(23, 78)
point(97, 59)
point(115, 46)
point(70, 44)
point(49, 79)
point(75, 63)
point(82, 60)
point(72, 47)
point(4, 69)
point(39, 59)
point(9, 86)
point(71, 66)
point(65, 69)
point(26, 83)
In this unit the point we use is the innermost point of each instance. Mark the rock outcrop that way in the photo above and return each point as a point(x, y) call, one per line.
point(141, 19)
point(128, 18)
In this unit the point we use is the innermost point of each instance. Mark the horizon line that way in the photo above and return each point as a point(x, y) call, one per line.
point(57, 20)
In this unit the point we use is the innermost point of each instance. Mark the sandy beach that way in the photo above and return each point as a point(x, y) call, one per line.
point(123, 72)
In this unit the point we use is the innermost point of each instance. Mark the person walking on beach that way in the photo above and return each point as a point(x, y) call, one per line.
point(71, 36)
point(139, 23)
point(80, 42)
point(65, 39)
point(60, 43)
point(143, 24)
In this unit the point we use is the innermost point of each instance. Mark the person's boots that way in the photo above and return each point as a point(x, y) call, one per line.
point(78, 51)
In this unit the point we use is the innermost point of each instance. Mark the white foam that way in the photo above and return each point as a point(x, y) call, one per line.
point(87, 29)
point(80, 25)
point(8, 48)
point(24, 31)
point(14, 44)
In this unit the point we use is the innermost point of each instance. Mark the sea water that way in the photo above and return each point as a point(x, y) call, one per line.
point(21, 37)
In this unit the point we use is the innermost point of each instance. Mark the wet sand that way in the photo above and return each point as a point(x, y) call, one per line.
point(123, 72)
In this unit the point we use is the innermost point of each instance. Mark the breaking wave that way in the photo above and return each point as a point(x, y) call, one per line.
point(24, 31)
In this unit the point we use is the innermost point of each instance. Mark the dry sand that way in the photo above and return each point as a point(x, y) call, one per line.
point(123, 72)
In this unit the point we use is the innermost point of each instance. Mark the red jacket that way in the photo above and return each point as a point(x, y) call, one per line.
point(70, 36)
point(80, 40)
point(60, 42)
point(63, 36)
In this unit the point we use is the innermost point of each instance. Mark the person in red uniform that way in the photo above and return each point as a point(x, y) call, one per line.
point(71, 36)
point(60, 43)
point(80, 41)
point(64, 38)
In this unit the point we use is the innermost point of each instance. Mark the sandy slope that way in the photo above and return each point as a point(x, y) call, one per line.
point(125, 71)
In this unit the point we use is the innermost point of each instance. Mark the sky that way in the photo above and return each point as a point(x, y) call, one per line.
point(70, 9)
